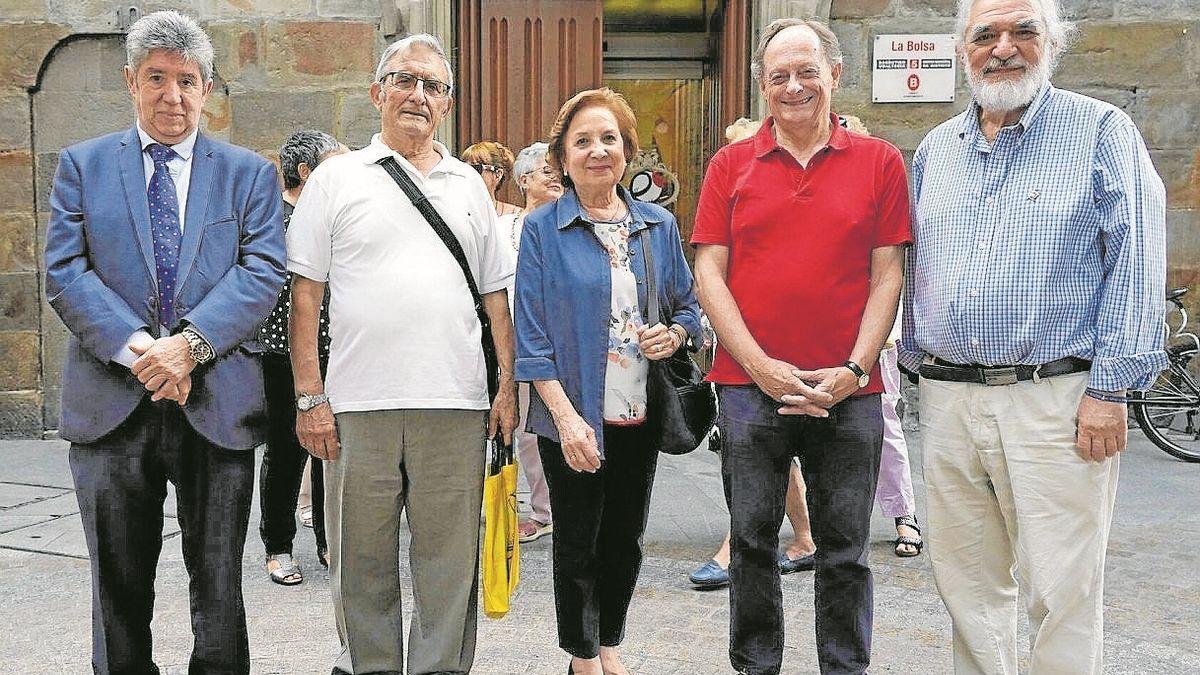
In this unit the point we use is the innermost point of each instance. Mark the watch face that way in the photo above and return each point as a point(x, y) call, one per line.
point(864, 380)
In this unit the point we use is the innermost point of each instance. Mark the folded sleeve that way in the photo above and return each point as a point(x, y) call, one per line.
point(1130, 195)
point(310, 233)
point(714, 210)
point(535, 352)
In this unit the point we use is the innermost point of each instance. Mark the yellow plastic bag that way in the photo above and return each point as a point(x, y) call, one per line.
point(501, 554)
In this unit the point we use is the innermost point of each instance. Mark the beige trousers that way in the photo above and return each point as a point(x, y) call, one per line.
point(1009, 499)
point(429, 462)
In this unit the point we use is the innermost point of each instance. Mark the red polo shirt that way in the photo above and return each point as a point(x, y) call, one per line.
point(800, 241)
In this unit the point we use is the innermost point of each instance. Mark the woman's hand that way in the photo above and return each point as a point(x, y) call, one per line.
point(658, 342)
point(578, 443)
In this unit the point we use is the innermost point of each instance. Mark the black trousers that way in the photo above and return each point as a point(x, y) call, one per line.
point(121, 482)
point(839, 457)
point(599, 519)
point(283, 464)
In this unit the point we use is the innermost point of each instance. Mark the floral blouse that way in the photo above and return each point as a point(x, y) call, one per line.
point(627, 368)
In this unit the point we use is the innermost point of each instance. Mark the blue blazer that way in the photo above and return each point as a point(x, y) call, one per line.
point(564, 298)
point(101, 281)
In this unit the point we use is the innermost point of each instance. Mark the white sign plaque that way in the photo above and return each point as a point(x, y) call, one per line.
point(913, 68)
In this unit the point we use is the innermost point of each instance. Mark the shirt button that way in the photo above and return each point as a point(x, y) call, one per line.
point(973, 293)
point(990, 200)
point(974, 342)
point(983, 246)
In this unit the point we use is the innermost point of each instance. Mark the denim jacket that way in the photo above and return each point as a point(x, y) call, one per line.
point(563, 301)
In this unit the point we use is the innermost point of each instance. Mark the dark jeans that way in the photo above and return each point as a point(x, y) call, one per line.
point(839, 457)
point(283, 464)
point(121, 482)
point(599, 519)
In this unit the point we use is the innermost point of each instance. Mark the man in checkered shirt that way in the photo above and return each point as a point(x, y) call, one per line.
point(1033, 305)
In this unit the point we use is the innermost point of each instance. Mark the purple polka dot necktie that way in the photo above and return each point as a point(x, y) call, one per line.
point(164, 226)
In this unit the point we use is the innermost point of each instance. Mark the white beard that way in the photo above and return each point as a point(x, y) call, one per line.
point(1005, 96)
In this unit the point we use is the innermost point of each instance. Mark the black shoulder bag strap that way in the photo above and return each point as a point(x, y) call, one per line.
point(653, 310)
point(419, 200)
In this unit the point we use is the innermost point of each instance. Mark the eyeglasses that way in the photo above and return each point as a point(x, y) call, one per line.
point(488, 167)
point(545, 172)
point(402, 81)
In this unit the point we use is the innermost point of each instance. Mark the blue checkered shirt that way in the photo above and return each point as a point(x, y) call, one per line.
point(1048, 242)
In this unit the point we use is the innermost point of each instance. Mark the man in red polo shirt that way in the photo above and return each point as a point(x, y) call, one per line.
point(800, 232)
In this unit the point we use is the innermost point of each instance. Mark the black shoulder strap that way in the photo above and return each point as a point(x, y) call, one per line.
point(440, 227)
point(653, 311)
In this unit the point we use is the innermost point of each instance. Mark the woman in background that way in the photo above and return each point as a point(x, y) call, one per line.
point(539, 184)
point(494, 162)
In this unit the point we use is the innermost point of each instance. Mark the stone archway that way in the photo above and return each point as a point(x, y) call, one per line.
point(80, 94)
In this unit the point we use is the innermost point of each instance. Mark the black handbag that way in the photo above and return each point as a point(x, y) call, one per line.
point(681, 407)
point(419, 200)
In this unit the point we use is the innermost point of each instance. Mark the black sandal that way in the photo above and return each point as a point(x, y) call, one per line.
point(916, 542)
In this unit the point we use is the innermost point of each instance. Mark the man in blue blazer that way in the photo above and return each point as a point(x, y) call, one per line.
point(164, 251)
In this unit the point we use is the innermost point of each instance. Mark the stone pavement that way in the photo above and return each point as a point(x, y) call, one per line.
point(1152, 596)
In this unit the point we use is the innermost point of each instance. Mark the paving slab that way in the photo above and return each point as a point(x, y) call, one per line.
point(13, 495)
point(1152, 603)
point(54, 504)
point(61, 536)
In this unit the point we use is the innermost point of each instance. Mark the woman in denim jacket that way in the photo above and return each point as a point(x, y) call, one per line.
point(582, 340)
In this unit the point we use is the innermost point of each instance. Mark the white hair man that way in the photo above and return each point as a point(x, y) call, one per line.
point(1032, 308)
point(407, 378)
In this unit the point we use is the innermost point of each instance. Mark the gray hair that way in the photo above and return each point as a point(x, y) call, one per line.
point(306, 146)
point(173, 32)
point(529, 158)
point(416, 40)
point(1059, 33)
point(830, 47)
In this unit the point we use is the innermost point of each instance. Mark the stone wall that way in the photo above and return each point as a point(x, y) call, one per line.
point(280, 65)
point(1140, 55)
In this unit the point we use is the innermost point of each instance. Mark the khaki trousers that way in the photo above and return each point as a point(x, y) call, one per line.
point(429, 462)
point(1008, 494)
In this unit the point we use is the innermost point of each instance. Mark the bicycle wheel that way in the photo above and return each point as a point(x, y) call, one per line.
point(1169, 411)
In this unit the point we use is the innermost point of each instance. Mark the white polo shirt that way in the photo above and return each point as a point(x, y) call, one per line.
point(403, 326)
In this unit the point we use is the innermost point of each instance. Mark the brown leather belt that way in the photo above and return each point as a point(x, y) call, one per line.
point(945, 371)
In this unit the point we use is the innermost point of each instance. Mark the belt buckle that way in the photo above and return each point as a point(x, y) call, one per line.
point(999, 376)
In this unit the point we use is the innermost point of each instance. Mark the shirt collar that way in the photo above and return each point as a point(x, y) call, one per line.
point(568, 211)
point(969, 124)
point(377, 150)
point(765, 141)
point(183, 148)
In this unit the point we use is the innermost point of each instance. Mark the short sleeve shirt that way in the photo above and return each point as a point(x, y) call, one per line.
point(273, 332)
point(402, 321)
point(800, 241)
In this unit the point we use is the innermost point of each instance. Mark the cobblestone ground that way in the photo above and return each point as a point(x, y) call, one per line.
point(1152, 594)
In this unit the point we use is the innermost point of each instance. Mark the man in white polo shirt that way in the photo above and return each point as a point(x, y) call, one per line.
point(406, 382)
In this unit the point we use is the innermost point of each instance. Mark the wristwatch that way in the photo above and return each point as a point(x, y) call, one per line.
point(199, 349)
point(863, 378)
point(306, 402)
